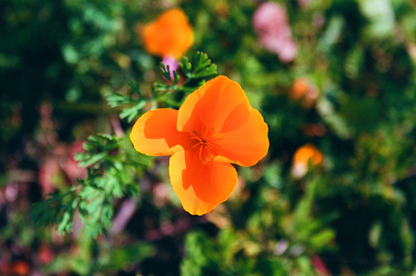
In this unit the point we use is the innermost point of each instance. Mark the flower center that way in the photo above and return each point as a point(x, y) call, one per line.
point(204, 145)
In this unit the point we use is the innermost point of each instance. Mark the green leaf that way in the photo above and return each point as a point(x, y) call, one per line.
point(92, 160)
point(115, 100)
point(58, 208)
point(322, 239)
point(120, 258)
point(132, 112)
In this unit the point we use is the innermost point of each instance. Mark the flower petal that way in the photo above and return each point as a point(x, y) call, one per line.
point(246, 145)
point(307, 152)
point(154, 133)
point(214, 103)
point(170, 34)
point(200, 187)
point(172, 63)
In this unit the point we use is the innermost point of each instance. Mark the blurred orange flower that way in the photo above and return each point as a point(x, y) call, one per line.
point(307, 152)
point(299, 88)
point(305, 92)
point(20, 268)
point(301, 159)
point(215, 126)
point(170, 34)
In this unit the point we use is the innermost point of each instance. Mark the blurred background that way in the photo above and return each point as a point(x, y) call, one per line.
point(334, 80)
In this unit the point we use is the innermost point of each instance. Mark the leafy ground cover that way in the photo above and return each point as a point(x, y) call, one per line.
point(334, 80)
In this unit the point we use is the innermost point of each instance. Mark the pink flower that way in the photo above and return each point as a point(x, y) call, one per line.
point(172, 63)
point(271, 25)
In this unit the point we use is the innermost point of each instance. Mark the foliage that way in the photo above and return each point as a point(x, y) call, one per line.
point(112, 174)
point(113, 165)
point(196, 69)
point(353, 214)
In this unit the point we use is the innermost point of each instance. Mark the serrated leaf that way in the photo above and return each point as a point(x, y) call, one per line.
point(202, 61)
point(132, 112)
point(115, 100)
point(185, 65)
point(53, 211)
point(92, 160)
point(165, 70)
point(209, 71)
point(66, 223)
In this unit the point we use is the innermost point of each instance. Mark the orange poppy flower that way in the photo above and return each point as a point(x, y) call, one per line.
point(299, 88)
point(170, 34)
point(301, 159)
point(307, 152)
point(302, 90)
point(214, 127)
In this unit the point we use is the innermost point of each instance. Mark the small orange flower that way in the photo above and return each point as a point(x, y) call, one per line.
point(169, 35)
point(299, 88)
point(305, 92)
point(20, 268)
point(301, 159)
point(307, 152)
point(215, 126)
